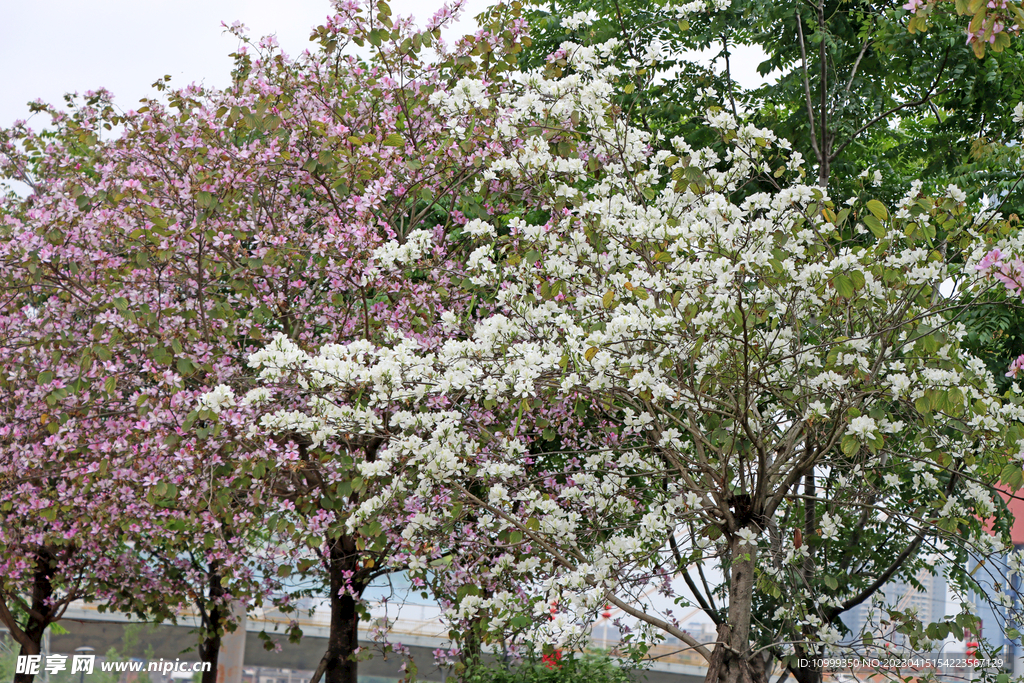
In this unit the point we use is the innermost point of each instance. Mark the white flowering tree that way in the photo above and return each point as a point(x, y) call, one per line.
point(684, 361)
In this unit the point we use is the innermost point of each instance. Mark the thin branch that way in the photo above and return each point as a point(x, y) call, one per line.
point(856, 64)
point(320, 668)
point(892, 568)
point(565, 562)
point(704, 604)
point(8, 620)
point(823, 168)
point(807, 87)
point(916, 103)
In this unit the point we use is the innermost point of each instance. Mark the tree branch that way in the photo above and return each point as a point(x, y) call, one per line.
point(8, 620)
point(856, 64)
point(807, 88)
point(706, 605)
point(906, 105)
point(892, 568)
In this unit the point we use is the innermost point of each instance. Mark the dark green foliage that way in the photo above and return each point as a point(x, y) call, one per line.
point(995, 333)
point(570, 668)
point(915, 106)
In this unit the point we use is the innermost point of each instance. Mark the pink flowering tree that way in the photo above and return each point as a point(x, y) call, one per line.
point(320, 198)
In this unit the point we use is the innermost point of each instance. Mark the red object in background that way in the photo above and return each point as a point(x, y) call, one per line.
point(552, 661)
point(607, 613)
point(972, 653)
point(1016, 507)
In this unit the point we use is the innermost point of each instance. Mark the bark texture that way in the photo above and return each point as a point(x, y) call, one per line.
point(209, 649)
point(732, 660)
point(31, 637)
point(340, 663)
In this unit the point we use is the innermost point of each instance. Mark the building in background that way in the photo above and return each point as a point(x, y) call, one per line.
point(995, 573)
point(929, 601)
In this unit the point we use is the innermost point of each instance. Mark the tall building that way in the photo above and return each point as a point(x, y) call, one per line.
point(993, 572)
point(929, 602)
point(992, 628)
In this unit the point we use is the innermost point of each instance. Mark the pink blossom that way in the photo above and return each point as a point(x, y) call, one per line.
point(988, 261)
point(1011, 275)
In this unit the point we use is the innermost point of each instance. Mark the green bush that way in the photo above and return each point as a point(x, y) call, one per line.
point(566, 668)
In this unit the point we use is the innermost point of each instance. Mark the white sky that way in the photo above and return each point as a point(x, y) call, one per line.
point(51, 47)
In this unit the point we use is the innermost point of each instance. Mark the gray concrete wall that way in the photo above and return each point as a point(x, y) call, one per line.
point(170, 642)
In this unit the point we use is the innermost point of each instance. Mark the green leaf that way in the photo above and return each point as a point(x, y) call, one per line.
point(875, 226)
point(394, 140)
point(923, 405)
point(520, 621)
point(878, 210)
point(1013, 476)
point(844, 286)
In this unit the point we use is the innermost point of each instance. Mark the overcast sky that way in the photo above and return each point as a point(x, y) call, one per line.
point(58, 46)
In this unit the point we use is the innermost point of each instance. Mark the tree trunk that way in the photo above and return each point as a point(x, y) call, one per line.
point(209, 649)
point(341, 665)
point(731, 660)
point(806, 674)
point(42, 591)
point(35, 633)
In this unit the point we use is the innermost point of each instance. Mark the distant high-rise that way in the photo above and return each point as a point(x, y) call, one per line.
point(929, 601)
point(992, 574)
